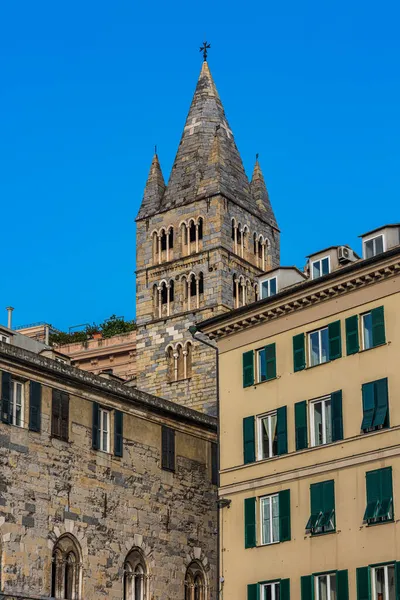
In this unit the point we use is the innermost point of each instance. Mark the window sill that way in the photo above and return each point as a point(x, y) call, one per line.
point(179, 381)
point(266, 545)
point(379, 523)
point(315, 535)
point(257, 383)
point(368, 349)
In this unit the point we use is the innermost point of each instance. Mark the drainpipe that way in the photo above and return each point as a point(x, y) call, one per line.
point(9, 310)
point(220, 580)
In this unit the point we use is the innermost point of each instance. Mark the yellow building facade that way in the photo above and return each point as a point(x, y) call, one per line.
point(310, 437)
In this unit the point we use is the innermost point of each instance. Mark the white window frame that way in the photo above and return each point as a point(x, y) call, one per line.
point(386, 583)
point(271, 524)
point(319, 331)
point(259, 351)
point(260, 432)
point(4, 338)
point(362, 330)
point(319, 260)
point(372, 239)
point(274, 586)
point(13, 416)
point(316, 581)
point(104, 418)
point(312, 404)
point(268, 281)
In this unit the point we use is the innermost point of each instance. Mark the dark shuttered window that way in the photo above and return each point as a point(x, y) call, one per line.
point(284, 516)
point(335, 340)
point(35, 405)
point(249, 446)
point(299, 352)
point(5, 396)
point(300, 419)
point(337, 416)
point(167, 449)
point(363, 583)
point(281, 428)
point(118, 433)
point(378, 326)
point(60, 415)
point(248, 368)
point(306, 585)
point(342, 584)
point(322, 518)
point(379, 486)
point(250, 528)
point(253, 591)
point(375, 401)
point(352, 337)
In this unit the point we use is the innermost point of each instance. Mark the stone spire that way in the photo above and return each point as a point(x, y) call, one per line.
point(192, 162)
point(260, 195)
point(153, 191)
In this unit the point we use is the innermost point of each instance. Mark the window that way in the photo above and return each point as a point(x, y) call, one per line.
point(66, 569)
point(167, 449)
point(379, 496)
point(325, 586)
point(375, 402)
point(383, 582)
point(321, 421)
point(104, 426)
point(195, 585)
point(4, 338)
point(266, 363)
point(267, 436)
point(269, 287)
point(322, 519)
point(269, 519)
point(17, 403)
point(374, 246)
point(320, 267)
point(60, 415)
point(270, 591)
point(319, 346)
point(373, 328)
point(135, 571)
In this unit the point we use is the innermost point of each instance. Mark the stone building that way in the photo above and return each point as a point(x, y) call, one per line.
point(105, 491)
point(202, 240)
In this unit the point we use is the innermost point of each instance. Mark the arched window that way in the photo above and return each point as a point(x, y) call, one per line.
point(171, 364)
point(192, 286)
point(201, 284)
point(235, 291)
point(163, 237)
point(195, 583)
point(180, 365)
point(66, 569)
point(192, 232)
point(233, 229)
point(256, 292)
point(179, 360)
point(200, 228)
point(239, 235)
point(135, 576)
point(163, 298)
point(171, 238)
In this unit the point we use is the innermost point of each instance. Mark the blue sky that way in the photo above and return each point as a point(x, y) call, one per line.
point(88, 88)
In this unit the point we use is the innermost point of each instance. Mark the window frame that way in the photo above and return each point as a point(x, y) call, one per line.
point(372, 239)
point(273, 585)
point(328, 574)
point(362, 316)
point(260, 419)
point(4, 338)
point(385, 568)
point(12, 418)
point(271, 515)
point(312, 403)
point(268, 281)
point(102, 431)
point(319, 260)
point(319, 331)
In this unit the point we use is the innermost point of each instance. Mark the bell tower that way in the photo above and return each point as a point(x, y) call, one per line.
point(201, 241)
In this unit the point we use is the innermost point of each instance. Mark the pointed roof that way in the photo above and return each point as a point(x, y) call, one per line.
point(260, 195)
point(154, 190)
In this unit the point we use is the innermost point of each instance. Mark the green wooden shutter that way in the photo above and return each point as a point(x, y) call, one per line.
point(284, 515)
point(373, 485)
point(307, 587)
point(35, 404)
point(386, 484)
point(381, 403)
point(118, 433)
point(249, 446)
point(253, 591)
point(378, 326)
point(248, 368)
point(5, 396)
point(317, 498)
point(336, 416)
point(368, 400)
point(342, 585)
point(270, 357)
point(281, 428)
point(328, 502)
point(299, 352)
point(300, 419)
point(397, 571)
point(284, 589)
point(250, 522)
point(363, 587)
point(96, 427)
point(352, 339)
point(335, 340)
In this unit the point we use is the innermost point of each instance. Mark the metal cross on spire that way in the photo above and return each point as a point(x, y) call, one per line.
point(204, 49)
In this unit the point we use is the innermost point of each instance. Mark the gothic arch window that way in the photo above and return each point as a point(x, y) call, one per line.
point(180, 366)
point(200, 228)
point(135, 576)
point(235, 291)
point(233, 230)
point(66, 570)
point(256, 292)
point(163, 298)
point(195, 583)
point(179, 359)
point(193, 291)
point(239, 237)
point(192, 231)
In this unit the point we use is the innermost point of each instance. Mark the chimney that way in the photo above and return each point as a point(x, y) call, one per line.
point(9, 309)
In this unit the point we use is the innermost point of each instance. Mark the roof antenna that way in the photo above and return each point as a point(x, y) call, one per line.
point(155, 149)
point(257, 155)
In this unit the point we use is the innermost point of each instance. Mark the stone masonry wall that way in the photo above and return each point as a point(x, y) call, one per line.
point(49, 487)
